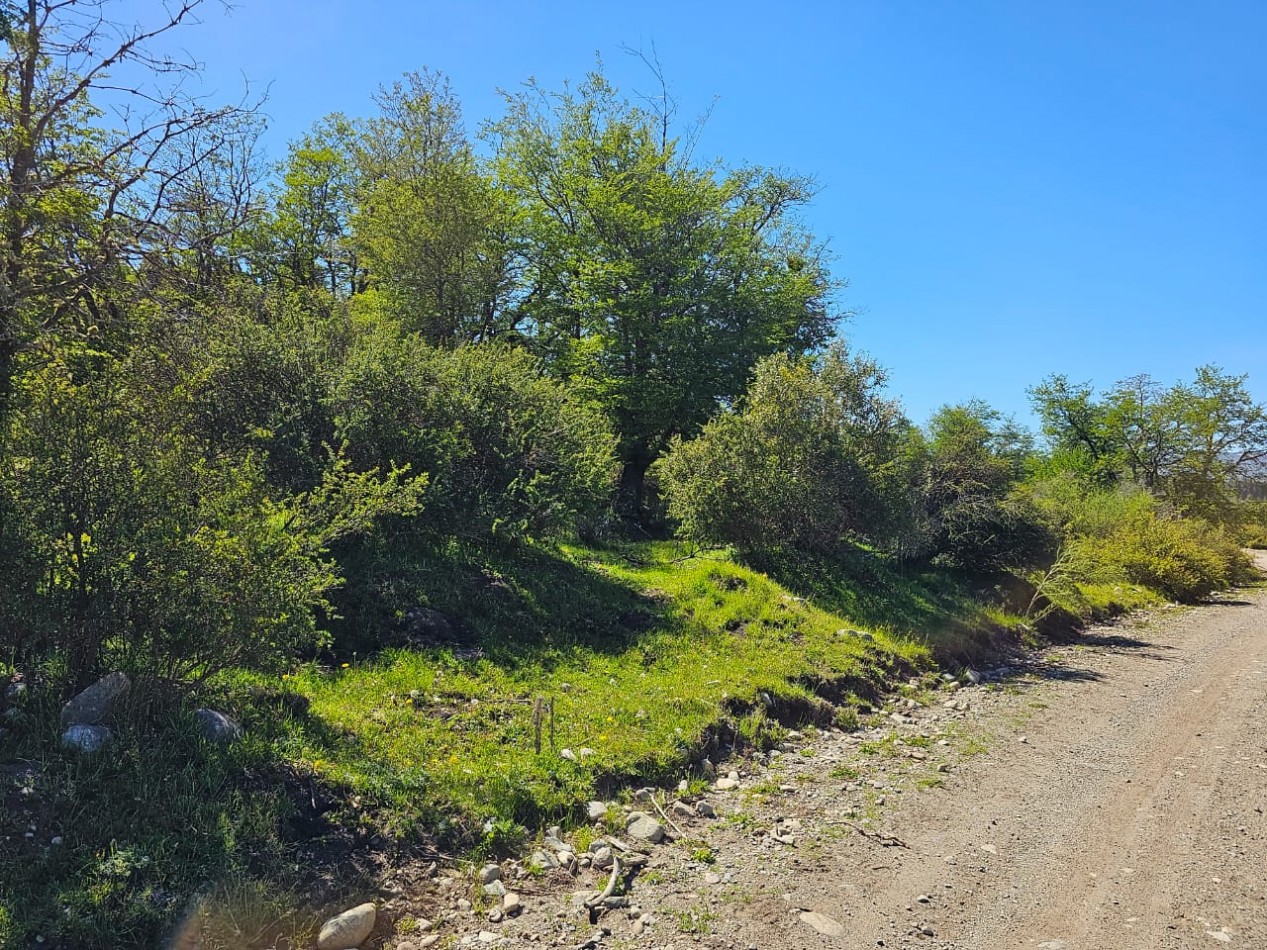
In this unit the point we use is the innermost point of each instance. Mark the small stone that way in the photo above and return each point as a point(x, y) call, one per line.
point(596, 811)
point(56, 841)
point(495, 889)
point(349, 929)
point(557, 844)
point(972, 676)
point(603, 858)
point(568, 754)
point(712, 878)
point(216, 726)
point(644, 827)
point(683, 810)
point(487, 936)
point(705, 809)
point(495, 916)
point(924, 899)
point(463, 904)
point(511, 905)
point(93, 706)
point(827, 926)
point(86, 738)
point(490, 873)
point(428, 941)
point(726, 784)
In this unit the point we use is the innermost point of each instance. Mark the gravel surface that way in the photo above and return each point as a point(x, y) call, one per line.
point(1105, 794)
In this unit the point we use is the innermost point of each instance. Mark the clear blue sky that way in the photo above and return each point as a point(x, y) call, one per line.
point(1011, 188)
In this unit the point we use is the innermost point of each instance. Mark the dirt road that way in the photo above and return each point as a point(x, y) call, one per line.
point(1110, 794)
point(1119, 803)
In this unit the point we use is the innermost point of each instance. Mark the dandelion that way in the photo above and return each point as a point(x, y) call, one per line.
point(345, 665)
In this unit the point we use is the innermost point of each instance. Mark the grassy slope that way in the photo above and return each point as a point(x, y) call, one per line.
point(646, 657)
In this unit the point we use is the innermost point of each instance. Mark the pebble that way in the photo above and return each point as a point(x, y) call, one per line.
point(490, 873)
point(511, 904)
point(596, 811)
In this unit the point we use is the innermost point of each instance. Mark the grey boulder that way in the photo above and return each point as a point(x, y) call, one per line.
point(86, 738)
point(216, 726)
point(349, 929)
point(95, 704)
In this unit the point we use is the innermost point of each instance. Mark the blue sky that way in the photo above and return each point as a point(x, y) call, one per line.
point(1011, 189)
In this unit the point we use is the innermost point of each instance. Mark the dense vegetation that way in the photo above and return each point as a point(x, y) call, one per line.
point(382, 446)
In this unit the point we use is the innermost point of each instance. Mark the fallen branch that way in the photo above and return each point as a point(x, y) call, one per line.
point(610, 889)
point(680, 832)
point(887, 841)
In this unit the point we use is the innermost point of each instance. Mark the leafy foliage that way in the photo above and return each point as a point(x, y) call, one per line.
point(812, 457)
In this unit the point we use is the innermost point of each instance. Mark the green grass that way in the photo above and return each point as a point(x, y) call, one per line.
point(645, 656)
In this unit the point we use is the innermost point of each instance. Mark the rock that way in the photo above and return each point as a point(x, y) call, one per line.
point(825, 925)
point(712, 878)
point(490, 873)
point(972, 676)
point(705, 809)
point(683, 810)
point(216, 726)
point(430, 940)
point(543, 860)
point(495, 916)
point(642, 826)
point(463, 904)
point(93, 706)
point(511, 905)
point(349, 929)
point(557, 844)
point(87, 738)
point(15, 693)
point(568, 754)
point(708, 768)
point(603, 858)
point(596, 811)
point(726, 784)
point(495, 889)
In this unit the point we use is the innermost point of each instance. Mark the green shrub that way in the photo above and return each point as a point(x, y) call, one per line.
point(812, 457)
point(981, 520)
point(1184, 559)
point(507, 450)
point(139, 544)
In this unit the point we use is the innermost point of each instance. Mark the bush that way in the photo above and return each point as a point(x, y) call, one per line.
point(812, 457)
point(1184, 559)
point(1123, 535)
point(981, 520)
point(137, 543)
point(507, 450)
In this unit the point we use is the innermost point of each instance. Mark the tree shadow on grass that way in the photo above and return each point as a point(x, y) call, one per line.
point(938, 608)
point(506, 603)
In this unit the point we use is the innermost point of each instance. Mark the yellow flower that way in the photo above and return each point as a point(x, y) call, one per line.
point(345, 665)
point(316, 763)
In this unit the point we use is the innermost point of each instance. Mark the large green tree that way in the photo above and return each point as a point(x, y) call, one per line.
point(653, 280)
